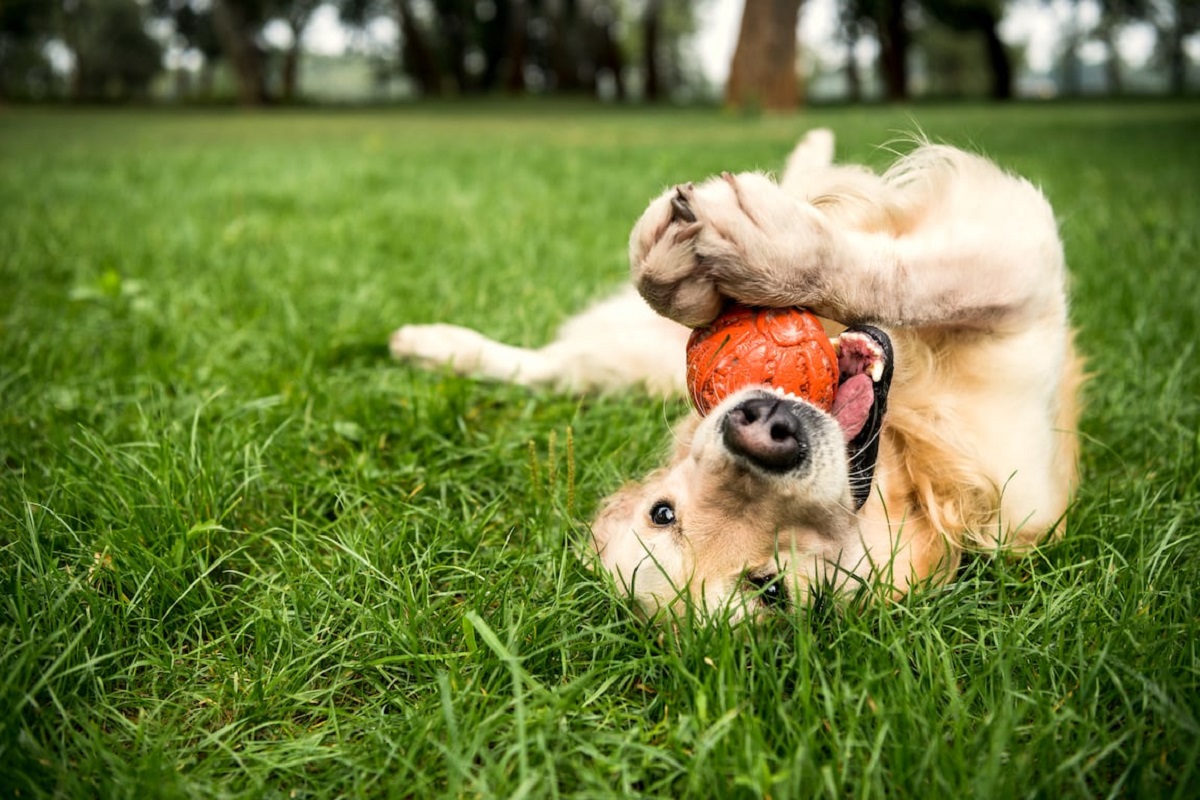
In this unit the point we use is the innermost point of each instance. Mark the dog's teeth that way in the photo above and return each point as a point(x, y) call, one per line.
point(877, 371)
point(779, 391)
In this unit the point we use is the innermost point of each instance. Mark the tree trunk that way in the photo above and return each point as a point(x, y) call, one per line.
point(565, 50)
point(998, 60)
point(1186, 20)
point(290, 72)
point(651, 26)
point(518, 39)
point(297, 21)
point(763, 70)
point(454, 48)
point(494, 40)
point(1176, 62)
point(1070, 70)
point(609, 57)
point(182, 89)
point(854, 91)
point(893, 50)
point(77, 82)
point(417, 56)
point(207, 79)
point(237, 34)
point(1112, 61)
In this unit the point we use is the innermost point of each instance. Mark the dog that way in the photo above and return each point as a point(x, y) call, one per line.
point(942, 280)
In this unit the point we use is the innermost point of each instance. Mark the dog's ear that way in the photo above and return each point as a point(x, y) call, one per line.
point(615, 513)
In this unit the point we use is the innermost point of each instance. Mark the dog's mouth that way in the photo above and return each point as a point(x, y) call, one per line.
point(865, 367)
point(770, 429)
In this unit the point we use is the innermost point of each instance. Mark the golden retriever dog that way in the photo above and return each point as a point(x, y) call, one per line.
point(942, 283)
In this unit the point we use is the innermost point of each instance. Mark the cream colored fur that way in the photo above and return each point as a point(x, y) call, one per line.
point(958, 261)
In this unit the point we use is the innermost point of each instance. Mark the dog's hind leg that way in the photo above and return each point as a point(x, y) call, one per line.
point(616, 343)
point(812, 154)
point(469, 352)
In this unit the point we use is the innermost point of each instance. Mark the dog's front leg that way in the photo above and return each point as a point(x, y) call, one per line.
point(970, 247)
point(738, 237)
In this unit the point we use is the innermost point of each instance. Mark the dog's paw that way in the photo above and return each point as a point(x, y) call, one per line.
point(432, 346)
point(736, 236)
point(664, 264)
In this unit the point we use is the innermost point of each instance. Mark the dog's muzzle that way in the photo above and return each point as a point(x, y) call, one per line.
point(767, 431)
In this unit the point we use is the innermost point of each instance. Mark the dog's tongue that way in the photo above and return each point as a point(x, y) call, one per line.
point(852, 405)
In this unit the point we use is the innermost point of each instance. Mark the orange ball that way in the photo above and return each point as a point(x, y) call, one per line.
point(782, 347)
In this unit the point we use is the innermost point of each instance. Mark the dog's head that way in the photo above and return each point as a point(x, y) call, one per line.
point(759, 500)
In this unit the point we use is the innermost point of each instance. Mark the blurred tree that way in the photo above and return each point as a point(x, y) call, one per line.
point(1114, 15)
point(1175, 21)
point(25, 27)
point(892, 28)
point(854, 17)
point(516, 48)
point(296, 14)
point(454, 20)
point(451, 46)
point(192, 30)
point(668, 57)
point(238, 24)
point(560, 21)
point(1071, 36)
point(763, 71)
point(573, 43)
point(983, 17)
point(417, 54)
point(651, 27)
point(234, 30)
point(889, 21)
point(115, 58)
point(954, 65)
point(609, 59)
point(559, 46)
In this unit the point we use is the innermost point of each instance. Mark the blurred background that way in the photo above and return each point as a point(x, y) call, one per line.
point(752, 54)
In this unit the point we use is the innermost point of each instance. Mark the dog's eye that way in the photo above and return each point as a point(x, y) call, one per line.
point(662, 513)
point(771, 590)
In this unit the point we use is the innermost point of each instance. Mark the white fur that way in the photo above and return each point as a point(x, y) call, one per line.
point(616, 343)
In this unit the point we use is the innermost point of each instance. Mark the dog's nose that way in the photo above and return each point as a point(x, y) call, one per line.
point(767, 431)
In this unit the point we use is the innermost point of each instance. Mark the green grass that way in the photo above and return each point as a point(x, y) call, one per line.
point(242, 554)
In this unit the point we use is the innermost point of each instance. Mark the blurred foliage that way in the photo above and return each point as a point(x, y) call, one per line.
point(25, 25)
point(115, 57)
point(609, 49)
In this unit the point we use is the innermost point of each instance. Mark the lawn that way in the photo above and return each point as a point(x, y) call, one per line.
point(243, 554)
